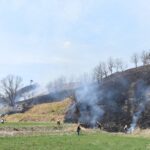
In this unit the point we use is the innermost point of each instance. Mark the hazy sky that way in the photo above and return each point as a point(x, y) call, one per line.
point(43, 39)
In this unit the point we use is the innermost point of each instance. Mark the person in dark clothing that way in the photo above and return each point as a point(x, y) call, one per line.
point(99, 125)
point(125, 129)
point(58, 122)
point(78, 129)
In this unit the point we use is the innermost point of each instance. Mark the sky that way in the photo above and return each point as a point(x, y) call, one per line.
point(45, 39)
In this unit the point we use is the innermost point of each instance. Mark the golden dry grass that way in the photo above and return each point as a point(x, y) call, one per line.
point(42, 113)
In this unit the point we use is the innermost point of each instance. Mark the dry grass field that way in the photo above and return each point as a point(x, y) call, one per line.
point(42, 113)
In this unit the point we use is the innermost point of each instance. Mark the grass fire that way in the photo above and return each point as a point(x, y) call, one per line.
point(118, 106)
point(121, 99)
point(74, 75)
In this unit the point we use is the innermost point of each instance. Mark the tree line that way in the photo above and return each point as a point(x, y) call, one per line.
point(104, 69)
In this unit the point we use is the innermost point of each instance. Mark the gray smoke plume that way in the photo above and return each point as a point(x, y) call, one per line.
point(144, 100)
point(87, 99)
point(31, 91)
point(136, 117)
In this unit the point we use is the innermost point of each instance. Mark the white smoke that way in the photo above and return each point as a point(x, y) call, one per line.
point(87, 99)
point(40, 90)
point(136, 117)
point(141, 108)
point(37, 91)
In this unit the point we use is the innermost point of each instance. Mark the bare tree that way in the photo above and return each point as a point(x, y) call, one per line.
point(98, 75)
point(111, 65)
point(123, 66)
point(57, 85)
point(145, 58)
point(135, 59)
point(105, 69)
point(9, 87)
point(119, 65)
point(100, 72)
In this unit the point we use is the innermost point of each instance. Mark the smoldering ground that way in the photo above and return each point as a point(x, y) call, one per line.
point(114, 104)
point(142, 98)
point(87, 98)
point(90, 103)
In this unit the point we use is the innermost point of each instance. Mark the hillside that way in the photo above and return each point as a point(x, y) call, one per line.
point(121, 99)
point(42, 112)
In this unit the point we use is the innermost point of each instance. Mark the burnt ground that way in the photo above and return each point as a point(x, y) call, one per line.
point(120, 96)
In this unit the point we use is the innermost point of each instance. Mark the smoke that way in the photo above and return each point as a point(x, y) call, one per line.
point(136, 117)
point(31, 91)
point(87, 102)
point(143, 100)
point(98, 102)
point(39, 90)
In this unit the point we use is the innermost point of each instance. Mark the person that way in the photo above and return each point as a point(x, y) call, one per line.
point(2, 121)
point(78, 129)
point(58, 122)
point(99, 125)
point(125, 128)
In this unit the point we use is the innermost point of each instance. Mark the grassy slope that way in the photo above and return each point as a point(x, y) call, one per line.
point(42, 113)
point(74, 142)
